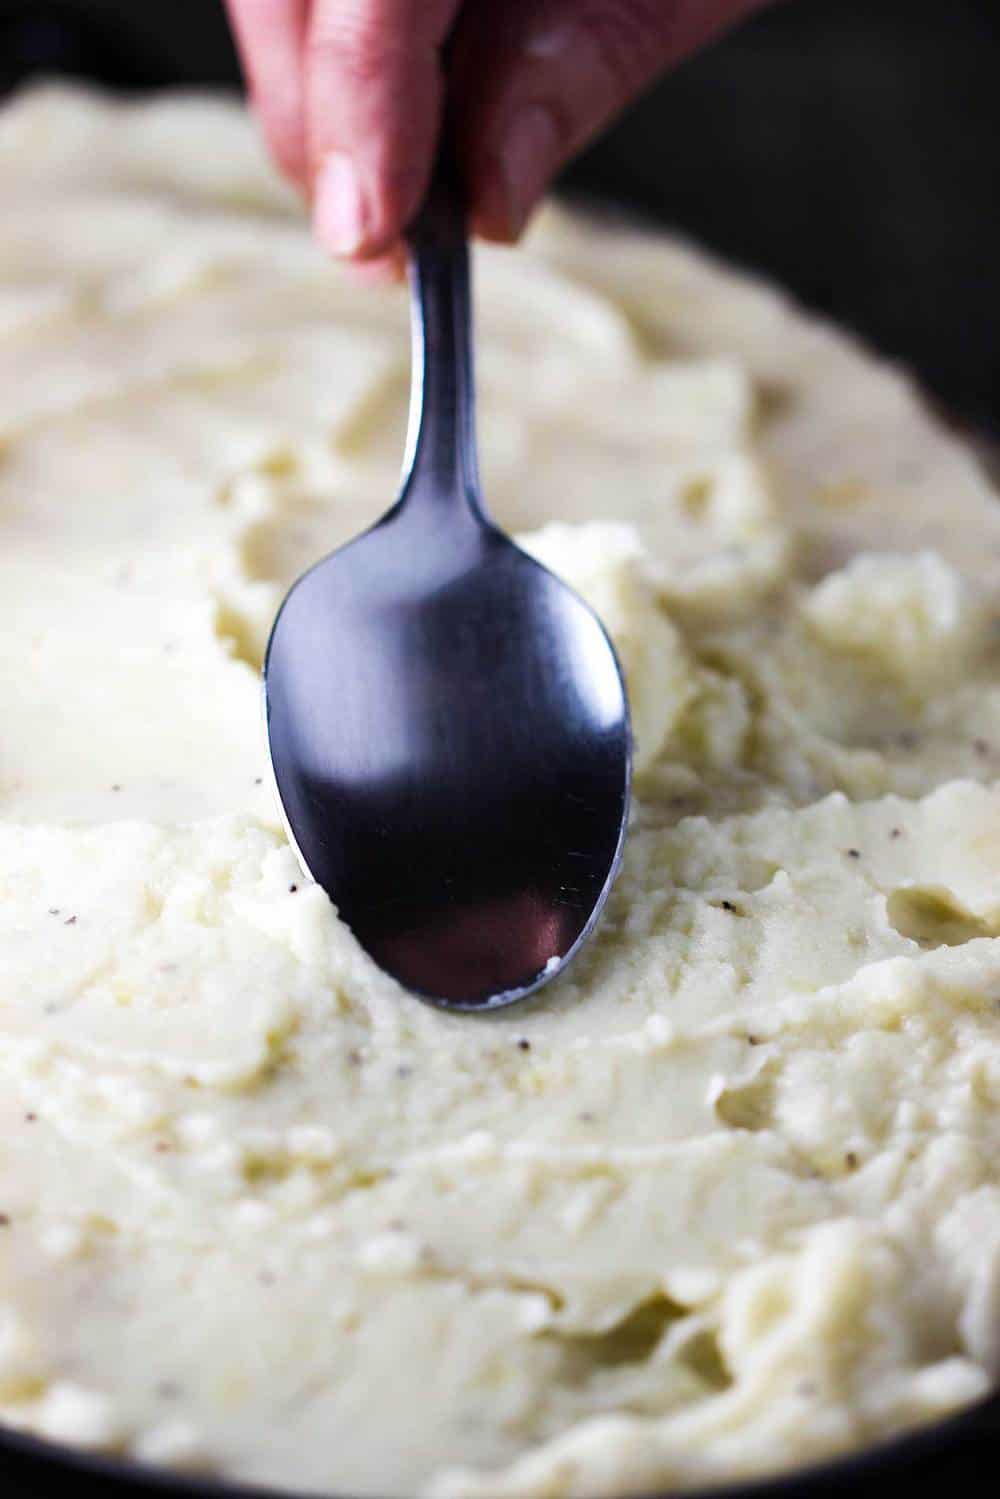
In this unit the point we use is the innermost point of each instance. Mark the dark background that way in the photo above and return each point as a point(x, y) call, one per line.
point(848, 148)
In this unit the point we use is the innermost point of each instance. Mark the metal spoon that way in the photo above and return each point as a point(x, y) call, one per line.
point(448, 724)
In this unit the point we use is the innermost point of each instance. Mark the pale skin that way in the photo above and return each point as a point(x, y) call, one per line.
point(350, 96)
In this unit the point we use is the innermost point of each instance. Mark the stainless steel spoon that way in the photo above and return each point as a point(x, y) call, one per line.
point(448, 724)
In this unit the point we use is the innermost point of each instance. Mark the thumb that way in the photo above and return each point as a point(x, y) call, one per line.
point(373, 88)
point(535, 81)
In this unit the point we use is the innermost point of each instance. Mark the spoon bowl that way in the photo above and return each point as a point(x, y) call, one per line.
point(447, 720)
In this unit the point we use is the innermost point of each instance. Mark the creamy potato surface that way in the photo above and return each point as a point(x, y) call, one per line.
point(726, 1197)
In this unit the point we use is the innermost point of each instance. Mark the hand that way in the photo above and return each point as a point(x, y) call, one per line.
point(350, 95)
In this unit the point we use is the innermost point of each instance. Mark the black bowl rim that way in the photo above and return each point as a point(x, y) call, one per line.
point(971, 1432)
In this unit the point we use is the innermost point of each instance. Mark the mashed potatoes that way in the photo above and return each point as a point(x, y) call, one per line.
point(726, 1197)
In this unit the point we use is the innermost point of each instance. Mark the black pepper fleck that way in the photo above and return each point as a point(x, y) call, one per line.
point(354, 1057)
point(854, 853)
point(70, 921)
point(981, 746)
point(753, 1040)
point(404, 1069)
point(258, 780)
point(727, 905)
point(524, 1044)
point(116, 787)
point(53, 910)
point(896, 833)
point(30, 1118)
point(851, 1160)
point(4, 1220)
point(586, 1117)
point(292, 889)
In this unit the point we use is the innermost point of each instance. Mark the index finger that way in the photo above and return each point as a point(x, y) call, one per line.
point(270, 36)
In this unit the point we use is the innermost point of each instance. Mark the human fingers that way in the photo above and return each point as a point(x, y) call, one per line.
point(374, 91)
point(536, 79)
point(270, 35)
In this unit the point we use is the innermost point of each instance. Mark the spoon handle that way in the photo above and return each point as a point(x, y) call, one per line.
point(440, 462)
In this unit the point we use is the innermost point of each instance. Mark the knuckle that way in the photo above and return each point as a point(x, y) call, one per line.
point(355, 47)
point(626, 35)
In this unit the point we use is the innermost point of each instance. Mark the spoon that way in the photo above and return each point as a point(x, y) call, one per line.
point(448, 725)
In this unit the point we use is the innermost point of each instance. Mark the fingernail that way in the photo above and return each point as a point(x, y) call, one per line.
point(529, 156)
point(387, 270)
point(339, 209)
